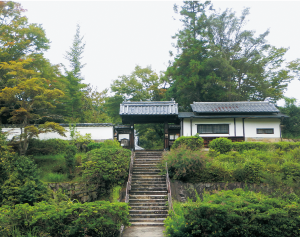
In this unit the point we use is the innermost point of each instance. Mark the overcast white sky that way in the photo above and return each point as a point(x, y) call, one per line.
point(122, 34)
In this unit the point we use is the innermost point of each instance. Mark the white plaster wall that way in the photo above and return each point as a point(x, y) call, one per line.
point(122, 136)
point(229, 121)
point(97, 133)
point(239, 127)
point(11, 132)
point(252, 124)
point(186, 127)
point(195, 121)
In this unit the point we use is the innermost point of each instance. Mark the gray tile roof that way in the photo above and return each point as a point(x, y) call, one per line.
point(220, 116)
point(149, 108)
point(234, 107)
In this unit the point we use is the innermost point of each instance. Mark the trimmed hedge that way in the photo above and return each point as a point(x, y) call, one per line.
point(221, 144)
point(262, 146)
point(235, 213)
point(100, 218)
point(192, 142)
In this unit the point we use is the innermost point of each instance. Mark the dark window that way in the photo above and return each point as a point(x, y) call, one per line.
point(213, 128)
point(265, 130)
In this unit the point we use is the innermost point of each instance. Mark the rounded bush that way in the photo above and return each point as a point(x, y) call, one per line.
point(221, 144)
point(192, 142)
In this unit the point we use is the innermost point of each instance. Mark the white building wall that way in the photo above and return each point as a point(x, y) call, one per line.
point(122, 136)
point(251, 126)
point(186, 127)
point(229, 121)
point(239, 127)
point(97, 133)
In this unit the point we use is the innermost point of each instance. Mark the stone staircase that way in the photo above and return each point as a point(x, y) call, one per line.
point(148, 195)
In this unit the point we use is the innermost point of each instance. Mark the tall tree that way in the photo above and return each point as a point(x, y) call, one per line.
point(291, 127)
point(18, 38)
point(75, 54)
point(142, 84)
point(73, 101)
point(217, 60)
point(27, 99)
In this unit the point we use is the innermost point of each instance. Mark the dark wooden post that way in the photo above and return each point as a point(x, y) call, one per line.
point(131, 136)
point(166, 131)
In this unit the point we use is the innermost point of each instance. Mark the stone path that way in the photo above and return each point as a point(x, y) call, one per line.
point(144, 231)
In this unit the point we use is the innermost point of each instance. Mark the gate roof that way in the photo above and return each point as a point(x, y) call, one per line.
point(149, 111)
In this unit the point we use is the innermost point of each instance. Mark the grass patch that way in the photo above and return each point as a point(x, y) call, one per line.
point(115, 194)
point(53, 167)
point(55, 178)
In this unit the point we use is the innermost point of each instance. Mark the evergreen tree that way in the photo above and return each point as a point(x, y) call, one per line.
point(217, 60)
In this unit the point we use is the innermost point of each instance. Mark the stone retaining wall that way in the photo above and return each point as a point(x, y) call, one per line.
point(83, 192)
point(182, 191)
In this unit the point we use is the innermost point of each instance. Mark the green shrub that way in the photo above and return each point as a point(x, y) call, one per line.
point(291, 169)
point(111, 144)
point(98, 218)
point(192, 142)
point(263, 146)
point(245, 146)
point(221, 145)
point(183, 164)
point(236, 213)
point(47, 147)
point(70, 158)
point(106, 166)
point(94, 145)
point(22, 184)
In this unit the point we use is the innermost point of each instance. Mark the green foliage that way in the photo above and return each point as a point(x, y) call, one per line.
point(218, 60)
point(105, 144)
point(244, 146)
point(106, 166)
point(70, 158)
point(80, 141)
point(221, 144)
point(22, 184)
point(111, 144)
point(262, 146)
point(192, 142)
point(66, 218)
point(183, 164)
point(55, 177)
point(151, 136)
point(235, 213)
point(47, 147)
point(94, 145)
point(291, 127)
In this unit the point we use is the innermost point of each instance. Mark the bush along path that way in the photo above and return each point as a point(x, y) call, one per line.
point(148, 195)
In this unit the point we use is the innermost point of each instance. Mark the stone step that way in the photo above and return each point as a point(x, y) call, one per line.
point(145, 172)
point(148, 188)
point(147, 212)
point(145, 166)
point(141, 207)
point(147, 204)
point(148, 192)
point(150, 201)
point(158, 159)
point(147, 223)
point(152, 163)
point(147, 220)
point(148, 197)
point(145, 216)
point(148, 180)
point(157, 175)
